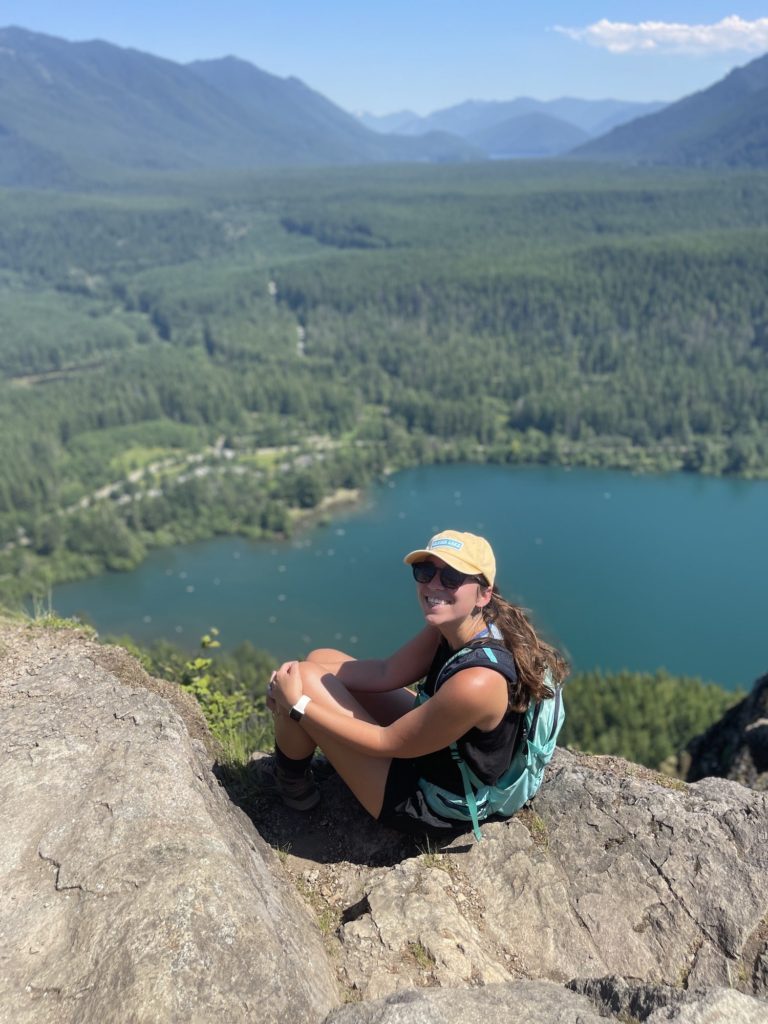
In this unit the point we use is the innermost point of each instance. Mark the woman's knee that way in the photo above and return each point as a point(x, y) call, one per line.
point(317, 681)
point(329, 657)
point(311, 674)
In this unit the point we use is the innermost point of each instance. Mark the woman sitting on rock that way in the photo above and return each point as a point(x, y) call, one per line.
point(384, 742)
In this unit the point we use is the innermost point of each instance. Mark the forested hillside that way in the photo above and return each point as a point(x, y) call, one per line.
point(226, 355)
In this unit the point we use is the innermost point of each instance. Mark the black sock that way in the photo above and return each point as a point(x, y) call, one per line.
point(290, 764)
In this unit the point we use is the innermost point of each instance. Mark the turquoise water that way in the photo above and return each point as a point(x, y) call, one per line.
point(620, 570)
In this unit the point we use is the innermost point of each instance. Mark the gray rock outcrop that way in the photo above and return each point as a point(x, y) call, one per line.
point(542, 1002)
point(636, 1002)
point(132, 889)
point(522, 1002)
point(736, 747)
point(614, 870)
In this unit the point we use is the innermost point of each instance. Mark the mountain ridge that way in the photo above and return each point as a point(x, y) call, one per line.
point(73, 113)
point(722, 125)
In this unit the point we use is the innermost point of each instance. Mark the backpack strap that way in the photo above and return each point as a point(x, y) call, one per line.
point(486, 653)
point(483, 654)
point(469, 793)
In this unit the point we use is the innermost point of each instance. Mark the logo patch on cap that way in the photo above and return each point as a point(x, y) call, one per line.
point(445, 542)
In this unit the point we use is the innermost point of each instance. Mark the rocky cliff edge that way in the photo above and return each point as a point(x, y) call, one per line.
point(134, 890)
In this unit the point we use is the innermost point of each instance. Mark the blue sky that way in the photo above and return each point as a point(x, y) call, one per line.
point(427, 54)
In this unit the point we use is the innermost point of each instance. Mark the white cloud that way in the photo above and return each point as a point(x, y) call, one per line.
point(733, 33)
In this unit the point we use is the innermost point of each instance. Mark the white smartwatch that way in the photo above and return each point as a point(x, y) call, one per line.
point(298, 709)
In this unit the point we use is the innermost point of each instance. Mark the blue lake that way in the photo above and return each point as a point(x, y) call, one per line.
point(620, 570)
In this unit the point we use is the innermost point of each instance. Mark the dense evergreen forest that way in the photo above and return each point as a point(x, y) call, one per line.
point(228, 354)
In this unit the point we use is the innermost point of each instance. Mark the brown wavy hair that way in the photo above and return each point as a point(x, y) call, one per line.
point(533, 656)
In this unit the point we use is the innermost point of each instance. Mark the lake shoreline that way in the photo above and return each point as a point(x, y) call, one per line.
point(635, 461)
point(341, 500)
point(618, 569)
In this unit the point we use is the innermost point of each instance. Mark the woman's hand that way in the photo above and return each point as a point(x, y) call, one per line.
point(285, 687)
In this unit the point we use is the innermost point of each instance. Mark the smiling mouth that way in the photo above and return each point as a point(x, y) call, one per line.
point(433, 602)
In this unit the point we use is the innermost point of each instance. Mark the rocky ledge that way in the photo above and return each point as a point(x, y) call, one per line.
point(736, 747)
point(134, 889)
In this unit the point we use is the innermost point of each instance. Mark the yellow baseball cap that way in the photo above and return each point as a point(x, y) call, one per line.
point(463, 551)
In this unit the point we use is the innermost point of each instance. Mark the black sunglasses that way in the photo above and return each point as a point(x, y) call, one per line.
point(450, 578)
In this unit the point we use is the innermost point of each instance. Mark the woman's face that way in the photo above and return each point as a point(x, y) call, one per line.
point(442, 605)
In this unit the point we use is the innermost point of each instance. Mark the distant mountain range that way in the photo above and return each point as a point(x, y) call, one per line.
point(72, 113)
point(725, 125)
point(523, 127)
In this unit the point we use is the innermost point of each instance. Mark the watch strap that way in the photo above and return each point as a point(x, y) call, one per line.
point(298, 709)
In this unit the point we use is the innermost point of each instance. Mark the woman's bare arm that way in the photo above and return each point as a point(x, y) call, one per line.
point(472, 697)
point(377, 675)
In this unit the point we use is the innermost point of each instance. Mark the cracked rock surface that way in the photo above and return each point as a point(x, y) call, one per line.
point(614, 870)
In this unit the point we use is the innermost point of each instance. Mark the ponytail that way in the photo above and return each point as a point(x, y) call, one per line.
point(533, 657)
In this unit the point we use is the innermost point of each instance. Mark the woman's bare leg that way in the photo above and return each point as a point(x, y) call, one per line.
point(365, 775)
point(292, 739)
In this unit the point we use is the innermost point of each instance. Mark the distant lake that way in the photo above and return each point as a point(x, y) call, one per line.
point(620, 570)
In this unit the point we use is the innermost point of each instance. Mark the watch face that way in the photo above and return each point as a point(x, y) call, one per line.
point(295, 715)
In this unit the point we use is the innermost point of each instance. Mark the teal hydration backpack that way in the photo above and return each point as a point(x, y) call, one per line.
point(540, 724)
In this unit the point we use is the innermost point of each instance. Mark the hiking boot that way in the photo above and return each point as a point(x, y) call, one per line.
point(299, 792)
point(322, 768)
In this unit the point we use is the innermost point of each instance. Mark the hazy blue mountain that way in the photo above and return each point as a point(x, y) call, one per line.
point(528, 135)
point(724, 125)
point(23, 163)
point(471, 118)
point(624, 116)
point(598, 116)
point(97, 103)
point(311, 128)
point(89, 108)
point(398, 121)
point(299, 122)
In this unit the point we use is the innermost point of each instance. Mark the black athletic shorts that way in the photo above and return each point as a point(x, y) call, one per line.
point(405, 808)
